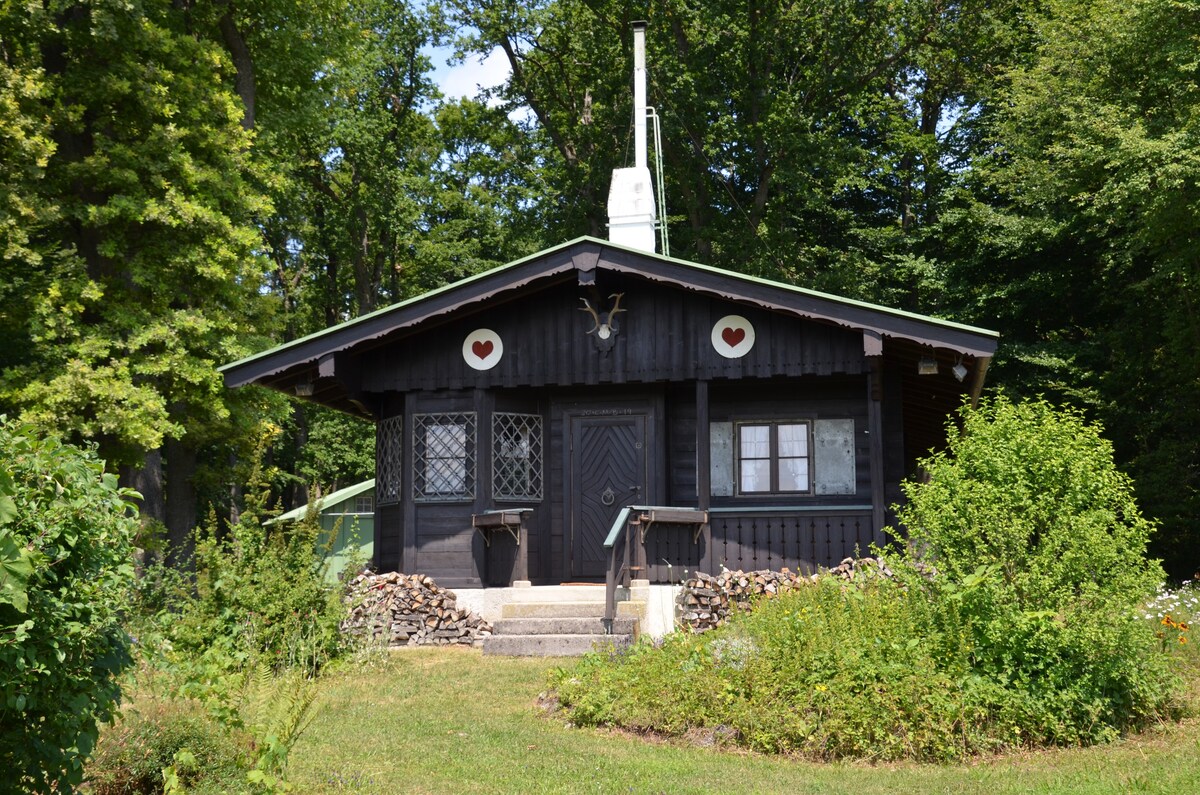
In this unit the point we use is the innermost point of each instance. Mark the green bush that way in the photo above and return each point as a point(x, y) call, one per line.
point(258, 593)
point(1031, 632)
point(66, 564)
point(827, 671)
point(1028, 506)
point(1034, 491)
point(132, 755)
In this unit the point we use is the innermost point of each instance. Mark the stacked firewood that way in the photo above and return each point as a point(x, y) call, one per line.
point(706, 599)
point(408, 610)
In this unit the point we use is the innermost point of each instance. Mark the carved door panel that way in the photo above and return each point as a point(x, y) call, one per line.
point(607, 468)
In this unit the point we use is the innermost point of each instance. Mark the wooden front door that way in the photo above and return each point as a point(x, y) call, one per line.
point(606, 471)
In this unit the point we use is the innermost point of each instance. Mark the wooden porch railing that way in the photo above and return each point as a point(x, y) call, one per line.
point(627, 553)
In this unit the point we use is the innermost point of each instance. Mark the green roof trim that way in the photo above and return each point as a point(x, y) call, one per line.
point(587, 239)
point(416, 299)
point(341, 495)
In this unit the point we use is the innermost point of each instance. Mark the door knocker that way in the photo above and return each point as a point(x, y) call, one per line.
point(608, 497)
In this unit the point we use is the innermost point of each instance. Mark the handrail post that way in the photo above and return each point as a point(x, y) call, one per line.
point(522, 563)
point(628, 543)
point(615, 537)
point(610, 593)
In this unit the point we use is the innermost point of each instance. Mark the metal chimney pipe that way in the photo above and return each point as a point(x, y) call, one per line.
point(631, 195)
point(639, 94)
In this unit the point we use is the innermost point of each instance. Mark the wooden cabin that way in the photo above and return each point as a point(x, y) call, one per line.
point(519, 412)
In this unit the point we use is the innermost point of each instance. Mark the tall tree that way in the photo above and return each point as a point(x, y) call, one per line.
point(801, 141)
point(142, 271)
point(1080, 237)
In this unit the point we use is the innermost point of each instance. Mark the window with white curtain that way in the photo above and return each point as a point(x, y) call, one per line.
point(774, 458)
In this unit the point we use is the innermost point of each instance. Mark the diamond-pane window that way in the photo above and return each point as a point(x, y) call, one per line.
point(444, 456)
point(516, 456)
point(388, 460)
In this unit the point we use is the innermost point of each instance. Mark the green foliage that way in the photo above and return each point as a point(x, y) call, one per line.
point(66, 565)
point(260, 595)
point(150, 737)
point(1033, 491)
point(1030, 632)
point(145, 278)
point(829, 671)
point(1078, 218)
point(338, 451)
point(231, 732)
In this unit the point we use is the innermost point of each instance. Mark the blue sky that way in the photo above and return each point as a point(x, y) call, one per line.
point(465, 79)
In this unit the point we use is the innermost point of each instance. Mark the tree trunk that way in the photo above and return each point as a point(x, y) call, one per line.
point(244, 82)
point(181, 502)
point(147, 480)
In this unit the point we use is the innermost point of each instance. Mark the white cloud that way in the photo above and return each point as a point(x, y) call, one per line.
point(467, 78)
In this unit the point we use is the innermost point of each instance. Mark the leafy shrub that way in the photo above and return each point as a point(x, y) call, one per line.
point(827, 671)
point(1028, 504)
point(66, 564)
point(215, 733)
point(1033, 490)
point(149, 738)
point(259, 594)
point(1030, 633)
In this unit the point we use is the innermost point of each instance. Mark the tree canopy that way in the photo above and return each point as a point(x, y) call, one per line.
point(182, 183)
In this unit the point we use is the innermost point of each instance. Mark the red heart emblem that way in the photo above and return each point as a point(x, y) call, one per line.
point(482, 348)
point(733, 336)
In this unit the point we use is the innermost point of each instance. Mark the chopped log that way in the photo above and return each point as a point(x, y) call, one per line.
point(408, 610)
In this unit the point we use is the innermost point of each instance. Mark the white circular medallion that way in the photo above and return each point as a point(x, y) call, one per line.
point(733, 336)
point(482, 349)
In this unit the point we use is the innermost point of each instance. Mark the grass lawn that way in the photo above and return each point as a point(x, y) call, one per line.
point(453, 721)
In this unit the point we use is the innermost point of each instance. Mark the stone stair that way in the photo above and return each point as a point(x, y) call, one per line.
point(564, 621)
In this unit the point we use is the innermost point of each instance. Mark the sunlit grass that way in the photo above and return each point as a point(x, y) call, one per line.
point(452, 721)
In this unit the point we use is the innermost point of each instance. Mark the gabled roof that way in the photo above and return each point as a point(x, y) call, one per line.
point(341, 495)
point(586, 255)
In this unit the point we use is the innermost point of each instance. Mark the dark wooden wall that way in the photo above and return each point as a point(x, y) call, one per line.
point(748, 541)
point(796, 370)
point(664, 336)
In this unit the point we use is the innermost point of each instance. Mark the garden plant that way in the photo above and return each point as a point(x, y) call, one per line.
point(1030, 631)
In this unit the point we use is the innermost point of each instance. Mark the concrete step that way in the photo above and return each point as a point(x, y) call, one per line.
point(551, 645)
point(560, 593)
point(562, 626)
point(552, 610)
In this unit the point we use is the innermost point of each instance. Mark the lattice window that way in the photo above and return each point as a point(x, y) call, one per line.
point(444, 456)
point(389, 452)
point(516, 456)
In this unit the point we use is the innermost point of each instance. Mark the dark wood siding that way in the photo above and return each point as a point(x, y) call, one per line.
point(681, 441)
point(448, 548)
point(799, 541)
point(389, 524)
point(663, 336)
point(800, 399)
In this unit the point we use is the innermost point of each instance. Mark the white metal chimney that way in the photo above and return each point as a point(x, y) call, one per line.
point(631, 195)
